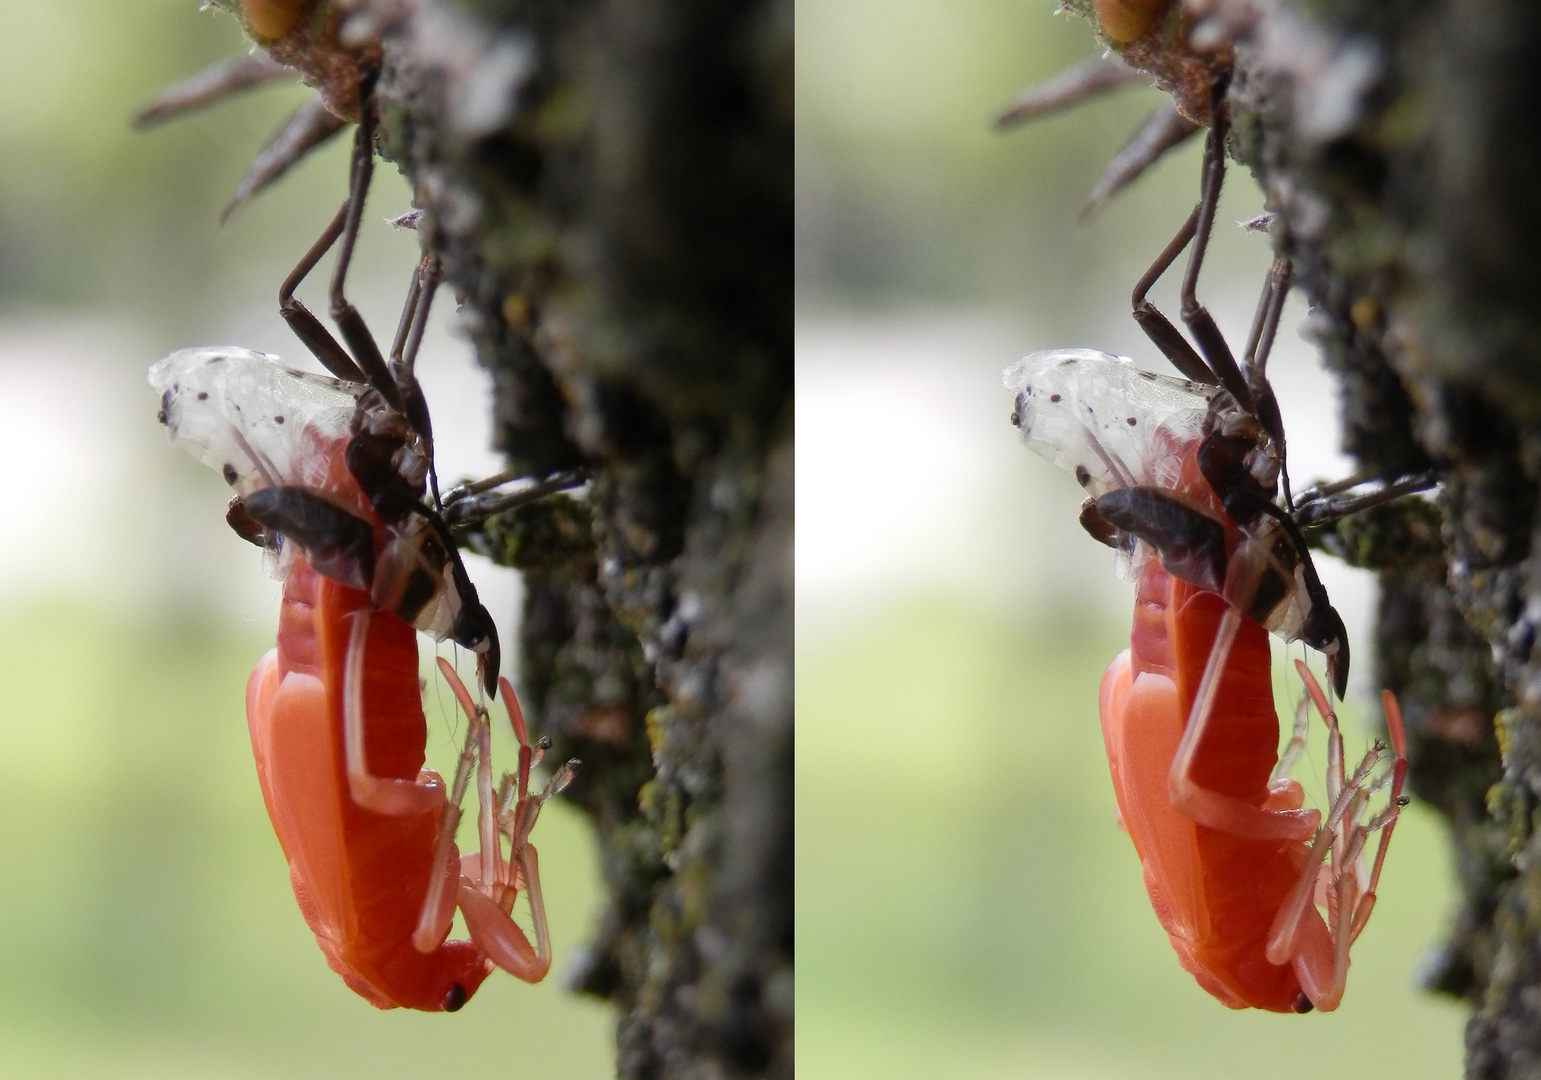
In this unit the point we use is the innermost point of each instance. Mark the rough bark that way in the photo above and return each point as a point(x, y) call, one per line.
point(1397, 143)
point(609, 187)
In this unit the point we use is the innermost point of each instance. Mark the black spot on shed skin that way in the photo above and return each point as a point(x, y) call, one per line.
point(1131, 421)
point(229, 473)
point(1054, 398)
point(203, 395)
point(279, 419)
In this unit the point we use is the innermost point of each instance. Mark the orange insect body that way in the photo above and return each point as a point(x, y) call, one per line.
point(379, 885)
point(359, 876)
point(1215, 895)
point(1238, 894)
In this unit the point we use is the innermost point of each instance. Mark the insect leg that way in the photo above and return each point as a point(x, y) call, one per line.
point(491, 854)
point(1070, 87)
point(1211, 808)
point(408, 311)
point(1297, 743)
point(1217, 354)
point(1265, 326)
point(311, 125)
point(463, 504)
point(409, 337)
point(1322, 507)
point(1162, 130)
point(322, 345)
point(1386, 820)
point(1157, 326)
point(444, 878)
point(214, 83)
point(381, 794)
point(488, 918)
point(354, 331)
point(1296, 934)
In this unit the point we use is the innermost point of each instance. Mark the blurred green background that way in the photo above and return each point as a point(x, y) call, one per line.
point(147, 927)
point(966, 905)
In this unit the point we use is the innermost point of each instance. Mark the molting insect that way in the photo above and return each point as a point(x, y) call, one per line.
point(1192, 468)
point(335, 478)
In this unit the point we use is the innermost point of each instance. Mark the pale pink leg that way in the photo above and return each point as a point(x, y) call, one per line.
point(438, 905)
point(383, 795)
point(496, 934)
point(1297, 743)
point(1386, 820)
point(486, 890)
point(1211, 808)
point(1320, 953)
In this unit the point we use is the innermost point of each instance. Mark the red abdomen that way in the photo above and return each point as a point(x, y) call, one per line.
point(360, 877)
point(1215, 894)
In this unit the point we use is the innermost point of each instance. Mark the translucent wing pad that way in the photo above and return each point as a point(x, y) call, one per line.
point(1110, 423)
point(248, 417)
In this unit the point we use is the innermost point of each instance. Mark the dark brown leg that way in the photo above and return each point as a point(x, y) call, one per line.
point(408, 312)
point(303, 322)
point(365, 364)
point(472, 502)
point(409, 338)
point(1157, 326)
point(1265, 326)
point(1217, 365)
point(1199, 322)
point(354, 330)
point(1322, 505)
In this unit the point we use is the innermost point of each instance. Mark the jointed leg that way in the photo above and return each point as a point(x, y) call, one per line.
point(381, 794)
point(1199, 322)
point(365, 364)
point(1319, 505)
point(444, 879)
point(1157, 326)
point(354, 331)
point(322, 345)
point(409, 338)
point(1265, 326)
point(1324, 965)
point(1211, 808)
point(1297, 743)
point(486, 904)
point(311, 125)
point(468, 503)
point(1217, 365)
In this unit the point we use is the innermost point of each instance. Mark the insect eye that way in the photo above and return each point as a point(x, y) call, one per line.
point(454, 998)
point(1303, 1004)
